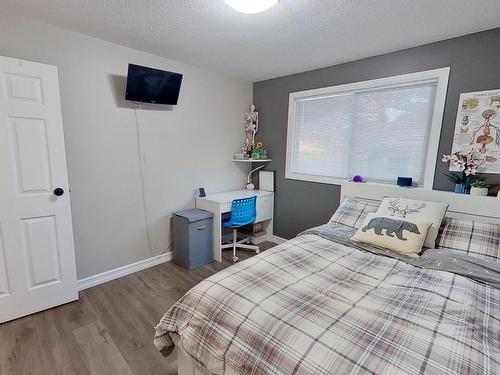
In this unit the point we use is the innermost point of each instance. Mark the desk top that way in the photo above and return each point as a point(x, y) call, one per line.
point(229, 196)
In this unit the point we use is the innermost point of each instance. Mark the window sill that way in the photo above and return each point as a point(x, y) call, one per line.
point(341, 181)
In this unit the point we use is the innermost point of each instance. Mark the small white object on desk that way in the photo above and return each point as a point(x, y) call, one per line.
point(249, 185)
point(220, 203)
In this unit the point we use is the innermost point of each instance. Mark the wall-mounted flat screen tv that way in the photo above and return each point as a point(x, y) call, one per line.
point(148, 85)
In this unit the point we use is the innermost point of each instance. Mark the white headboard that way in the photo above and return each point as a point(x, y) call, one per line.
point(460, 205)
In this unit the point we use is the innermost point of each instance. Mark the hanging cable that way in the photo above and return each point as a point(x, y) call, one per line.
point(143, 176)
point(168, 247)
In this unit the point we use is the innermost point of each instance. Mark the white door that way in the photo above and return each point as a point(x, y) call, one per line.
point(37, 259)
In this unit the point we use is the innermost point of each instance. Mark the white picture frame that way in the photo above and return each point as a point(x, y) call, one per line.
point(477, 126)
point(266, 180)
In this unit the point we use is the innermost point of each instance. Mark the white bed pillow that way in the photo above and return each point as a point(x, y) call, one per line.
point(412, 209)
point(401, 235)
point(352, 211)
point(472, 238)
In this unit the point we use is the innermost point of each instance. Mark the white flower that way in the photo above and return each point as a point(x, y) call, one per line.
point(470, 171)
point(459, 164)
point(446, 158)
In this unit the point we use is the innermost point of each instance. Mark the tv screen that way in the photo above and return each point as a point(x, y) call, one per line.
point(148, 85)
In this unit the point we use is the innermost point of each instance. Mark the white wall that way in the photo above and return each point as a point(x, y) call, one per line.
point(185, 146)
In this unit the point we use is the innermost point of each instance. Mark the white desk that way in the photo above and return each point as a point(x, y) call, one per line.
point(220, 203)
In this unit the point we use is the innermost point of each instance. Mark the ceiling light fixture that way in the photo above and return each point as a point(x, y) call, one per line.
point(251, 6)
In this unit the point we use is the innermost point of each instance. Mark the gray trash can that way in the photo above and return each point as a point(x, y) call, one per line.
point(193, 238)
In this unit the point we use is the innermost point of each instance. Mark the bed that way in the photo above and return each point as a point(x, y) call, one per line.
point(321, 304)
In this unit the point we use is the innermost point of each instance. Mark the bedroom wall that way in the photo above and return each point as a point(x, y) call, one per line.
point(185, 146)
point(474, 63)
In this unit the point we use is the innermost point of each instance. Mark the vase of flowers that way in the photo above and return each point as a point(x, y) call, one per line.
point(466, 163)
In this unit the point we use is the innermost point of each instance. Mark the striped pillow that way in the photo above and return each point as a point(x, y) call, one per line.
point(352, 211)
point(474, 238)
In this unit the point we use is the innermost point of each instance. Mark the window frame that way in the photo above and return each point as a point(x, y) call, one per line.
point(440, 76)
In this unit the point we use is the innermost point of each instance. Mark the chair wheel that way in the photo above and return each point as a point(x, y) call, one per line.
point(235, 259)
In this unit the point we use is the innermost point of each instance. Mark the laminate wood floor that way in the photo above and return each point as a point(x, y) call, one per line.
point(109, 331)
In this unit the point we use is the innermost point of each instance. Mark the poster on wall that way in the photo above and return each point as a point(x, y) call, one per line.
point(478, 127)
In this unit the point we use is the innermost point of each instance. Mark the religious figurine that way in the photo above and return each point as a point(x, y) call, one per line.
point(251, 125)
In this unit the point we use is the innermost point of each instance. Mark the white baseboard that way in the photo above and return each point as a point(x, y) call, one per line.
point(101, 278)
point(278, 240)
point(116, 273)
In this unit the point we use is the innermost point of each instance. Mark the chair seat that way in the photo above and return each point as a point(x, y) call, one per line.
point(231, 224)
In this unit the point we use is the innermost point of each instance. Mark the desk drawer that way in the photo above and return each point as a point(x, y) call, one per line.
point(264, 208)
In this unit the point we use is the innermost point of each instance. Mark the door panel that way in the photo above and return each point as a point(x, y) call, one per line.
point(42, 251)
point(23, 88)
point(37, 260)
point(29, 140)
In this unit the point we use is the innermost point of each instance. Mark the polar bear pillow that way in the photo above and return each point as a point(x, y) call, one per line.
point(401, 235)
point(400, 208)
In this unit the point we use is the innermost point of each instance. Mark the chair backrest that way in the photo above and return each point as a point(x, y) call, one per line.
point(243, 211)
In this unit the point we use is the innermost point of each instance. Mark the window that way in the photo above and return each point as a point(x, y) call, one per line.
point(380, 129)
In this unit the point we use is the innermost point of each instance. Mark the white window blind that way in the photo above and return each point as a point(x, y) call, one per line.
point(378, 132)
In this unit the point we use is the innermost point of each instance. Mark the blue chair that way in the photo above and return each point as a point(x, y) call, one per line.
point(243, 212)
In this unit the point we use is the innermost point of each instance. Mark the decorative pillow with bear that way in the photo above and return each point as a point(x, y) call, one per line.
point(401, 235)
point(400, 208)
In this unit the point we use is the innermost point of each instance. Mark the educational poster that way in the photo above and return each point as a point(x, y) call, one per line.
point(478, 127)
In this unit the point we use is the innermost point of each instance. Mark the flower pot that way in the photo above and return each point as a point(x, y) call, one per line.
point(462, 189)
point(478, 191)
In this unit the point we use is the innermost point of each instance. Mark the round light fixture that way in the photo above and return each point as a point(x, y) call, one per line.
point(251, 6)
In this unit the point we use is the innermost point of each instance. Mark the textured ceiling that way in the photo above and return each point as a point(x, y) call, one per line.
point(293, 36)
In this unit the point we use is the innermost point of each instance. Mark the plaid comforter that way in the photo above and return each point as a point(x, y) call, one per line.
point(315, 306)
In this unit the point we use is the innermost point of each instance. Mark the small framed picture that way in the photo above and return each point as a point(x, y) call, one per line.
point(266, 180)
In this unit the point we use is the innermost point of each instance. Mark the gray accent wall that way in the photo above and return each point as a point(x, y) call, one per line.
point(475, 66)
